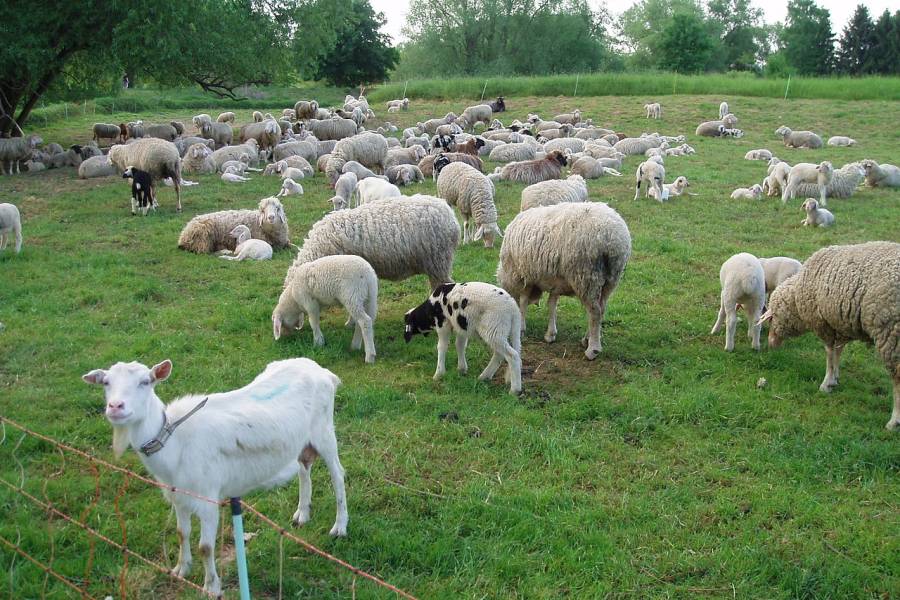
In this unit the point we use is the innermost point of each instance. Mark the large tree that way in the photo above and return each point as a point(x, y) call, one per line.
point(745, 42)
point(643, 26)
point(685, 44)
point(885, 58)
point(361, 53)
point(855, 53)
point(807, 40)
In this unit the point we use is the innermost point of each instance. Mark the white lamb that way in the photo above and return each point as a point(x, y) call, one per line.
point(230, 176)
point(342, 279)
point(801, 173)
point(241, 440)
point(290, 188)
point(373, 188)
point(10, 221)
point(653, 174)
point(816, 216)
point(464, 308)
point(723, 110)
point(654, 110)
point(754, 192)
point(743, 283)
point(670, 190)
point(247, 248)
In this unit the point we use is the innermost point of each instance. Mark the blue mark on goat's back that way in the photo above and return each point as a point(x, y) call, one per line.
point(272, 393)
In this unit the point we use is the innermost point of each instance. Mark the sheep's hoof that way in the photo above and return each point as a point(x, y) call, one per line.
point(437, 376)
point(550, 338)
point(591, 353)
point(827, 387)
point(338, 531)
point(584, 342)
point(181, 570)
point(319, 341)
point(370, 359)
point(892, 425)
point(300, 518)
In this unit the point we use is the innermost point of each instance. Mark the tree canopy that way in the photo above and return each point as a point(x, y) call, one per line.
point(361, 54)
point(807, 38)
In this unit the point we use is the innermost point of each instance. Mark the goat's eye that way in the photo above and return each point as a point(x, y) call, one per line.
point(145, 382)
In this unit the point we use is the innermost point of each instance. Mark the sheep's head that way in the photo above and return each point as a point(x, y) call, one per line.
point(439, 163)
point(681, 182)
point(730, 120)
point(825, 168)
point(271, 212)
point(487, 231)
point(756, 190)
point(128, 389)
point(338, 203)
point(783, 314)
point(241, 233)
point(811, 205)
point(783, 131)
point(558, 157)
point(287, 317)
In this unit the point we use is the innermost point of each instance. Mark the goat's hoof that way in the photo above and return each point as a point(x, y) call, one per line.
point(300, 518)
point(338, 531)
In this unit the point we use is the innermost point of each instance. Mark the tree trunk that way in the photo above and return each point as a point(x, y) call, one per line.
point(8, 101)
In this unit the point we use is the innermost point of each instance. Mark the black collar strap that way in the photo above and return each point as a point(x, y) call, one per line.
point(166, 431)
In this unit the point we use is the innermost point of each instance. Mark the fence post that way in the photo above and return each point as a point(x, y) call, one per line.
point(237, 526)
point(787, 87)
point(484, 89)
point(405, 85)
point(577, 77)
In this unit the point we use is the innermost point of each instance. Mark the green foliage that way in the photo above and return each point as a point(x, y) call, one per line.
point(855, 53)
point(685, 46)
point(744, 35)
point(807, 39)
point(886, 44)
point(360, 54)
point(644, 24)
point(777, 66)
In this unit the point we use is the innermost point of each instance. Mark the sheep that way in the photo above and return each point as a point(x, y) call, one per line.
point(185, 142)
point(841, 140)
point(399, 239)
point(570, 249)
point(223, 155)
point(498, 105)
point(816, 216)
point(564, 145)
point(369, 149)
point(548, 193)
point(322, 162)
point(334, 128)
point(325, 147)
point(205, 234)
point(305, 109)
point(404, 156)
point(883, 175)
point(246, 247)
point(360, 171)
point(199, 120)
point(654, 174)
point(798, 139)
point(283, 417)
point(96, 166)
point(178, 125)
point(512, 153)
point(735, 133)
point(716, 128)
point(637, 146)
point(480, 113)
point(135, 129)
point(761, 154)
point(230, 176)
point(304, 149)
point(10, 221)
point(13, 150)
point(671, 190)
point(682, 150)
point(290, 188)
point(820, 175)
point(398, 104)
point(225, 117)
point(373, 188)
point(471, 146)
point(156, 156)
point(346, 280)
point(34, 166)
point(142, 194)
point(422, 141)
point(592, 168)
point(844, 293)
point(106, 131)
point(402, 175)
point(431, 125)
point(465, 187)
point(723, 110)
point(843, 183)
point(344, 189)
point(776, 181)
point(477, 307)
point(654, 110)
point(743, 284)
point(220, 133)
point(163, 131)
point(258, 117)
point(777, 270)
point(532, 171)
point(568, 118)
point(198, 159)
point(752, 193)
point(426, 165)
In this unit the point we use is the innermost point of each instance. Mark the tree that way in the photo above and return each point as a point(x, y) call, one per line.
point(643, 24)
point(885, 57)
point(361, 53)
point(807, 40)
point(855, 53)
point(685, 44)
point(745, 42)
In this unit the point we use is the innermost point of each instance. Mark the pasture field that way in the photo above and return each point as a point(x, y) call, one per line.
point(659, 470)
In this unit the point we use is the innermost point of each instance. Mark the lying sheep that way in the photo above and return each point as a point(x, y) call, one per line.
point(230, 176)
point(819, 175)
point(592, 168)
point(223, 155)
point(883, 175)
point(247, 248)
point(754, 192)
point(470, 307)
point(402, 175)
point(96, 166)
point(816, 216)
point(843, 183)
point(743, 284)
point(761, 154)
point(637, 146)
point(205, 234)
point(671, 190)
point(157, 157)
point(654, 175)
point(556, 191)
point(307, 150)
point(716, 128)
point(570, 249)
point(844, 293)
point(532, 171)
point(512, 152)
point(290, 188)
point(465, 187)
point(682, 150)
point(841, 140)
point(10, 222)
point(798, 139)
point(198, 159)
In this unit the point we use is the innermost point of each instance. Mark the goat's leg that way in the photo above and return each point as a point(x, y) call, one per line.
point(183, 518)
point(305, 459)
point(209, 523)
point(327, 448)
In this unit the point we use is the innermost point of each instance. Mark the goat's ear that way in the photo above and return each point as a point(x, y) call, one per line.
point(766, 316)
point(121, 441)
point(97, 376)
point(161, 371)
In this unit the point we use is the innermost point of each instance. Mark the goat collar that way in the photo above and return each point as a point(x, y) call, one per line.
point(166, 431)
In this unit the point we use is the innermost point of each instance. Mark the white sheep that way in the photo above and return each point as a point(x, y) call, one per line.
point(198, 121)
point(225, 117)
point(670, 190)
point(761, 154)
point(290, 188)
point(654, 110)
point(754, 192)
point(10, 221)
point(247, 248)
point(205, 234)
point(883, 175)
point(346, 280)
point(723, 109)
point(716, 128)
point(373, 188)
point(513, 152)
point(292, 173)
point(239, 441)
point(368, 149)
point(465, 187)
point(96, 166)
point(776, 181)
point(592, 168)
point(843, 183)
point(816, 216)
point(547, 193)
point(157, 157)
point(653, 174)
point(841, 140)
point(801, 173)
point(743, 284)
point(798, 139)
point(466, 308)
point(344, 190)
point(359, 170)
point(198, 159)
point(778, 269)
point(230, 176)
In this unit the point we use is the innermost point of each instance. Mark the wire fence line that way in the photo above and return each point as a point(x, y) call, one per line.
point(96, 465)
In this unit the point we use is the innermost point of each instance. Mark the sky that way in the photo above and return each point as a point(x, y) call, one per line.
point(775, 10)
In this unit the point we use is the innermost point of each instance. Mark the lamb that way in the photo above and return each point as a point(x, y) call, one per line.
point(373, 188)
point(399, 104)
point(512, 152)
point(360, 171)
point(223, 155)
point(820, 175)
point(798, 139)
point(843, 183)
point(761, 154)
point(225, 117)
point(34, 166)
point(404, 156)
point(592, 168)
point(716, 128)
point(290, 188)
point(532, 171)
point(723, 110)
point(163, 131)
point(426, 165)
point(200, 119)
point(198, 159)
point(777, 270)
point(10, 221)
point(346, 280)
point(841, 140)
point(654, 110)
point(472, 307)
point(334, 128)
point(654, 174)
point(430, 126)
point(230, 176)
point(402, 175)
point(344, 190)
point(220, 133)
point(776, 181)
point(142, 195)
point(480, 113)
point(590, 246)
point(681, 150)
point(465, 187)
point(816, 216)
point(569, 118)
point(96, 166)
point(471, 146)
point(156, 156)
point(106, 131)
point(883, 175)
point(743, 284)
point(205, 234)
point(752, 193)
point(671, 190)
point(13, 150)
point(844, 293)
point(246, 247)
point(258, 117)
point(399, 239)
point(369, 149)
point(283, 417)
point(549, 193)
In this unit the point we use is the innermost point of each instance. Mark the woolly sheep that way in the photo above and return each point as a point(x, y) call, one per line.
point(402, 104)
point(202, 118)
point(198, 159)
point(267, 134)
point(592, 168)
point(883, 175)
point(816, 216)
point(399, 239)
point(223, 155)
point(716, 128)
point(843, 183)
point(430, 126)
point(404, 156)
point(368, 149)
point(682, 150)
point(242, 440)
point(798, 139)
point(532, 171)
point(246, 247)
point(360, 171)
point(464, 308)
point(237, 166)
point(292, 173)
point(373, 188)
point(480, 113)
point(106, 131)
point(820, 175)
point(654, 110)
point(305, 109)
point(13, 150)
point(220, 133)
point(743, 283)
point(10, 221)
point(225, 117)
point(637, 146)
point(841, 140)
point(778, 269)
point(163, 131)
point(465, 187)
point(752, 193)
point(258, 117)
point(564, 144)
point(512, 153)
point(723, 110)
point(344, 190)
point(205, 234)
point(156, 156)
point(776, 181)
point(556, 191)
point(653, 174)
point(426, 165)
point(761, 154)
point(569, 118)
point(34, 166)
point(307, 150)
point(590, 246)
point(96, 166)
point(185, 142)
point(334, 128)
point(844, 293)
point(402, 175)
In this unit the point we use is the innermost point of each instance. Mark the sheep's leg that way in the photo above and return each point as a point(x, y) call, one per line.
point(832, 366)
point(720, 319)
point(895, 414)
point(3, 239)
point(491, 369)
point(523, 306)
point(318, 338)
point(183, 529)
point(466, 231)
point(328, 450)
point(550, 336)
point(18, 240)
point(822, 201)
point(306, 458)
point(462, 340)
point(209, 523)
point(595, 312)
point(787, 193)
point(513, 368)
point(363, 333)
point(443, 334)
point(730, 326)
point(753, 330)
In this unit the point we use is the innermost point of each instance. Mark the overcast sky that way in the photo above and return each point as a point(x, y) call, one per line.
point(775, 10)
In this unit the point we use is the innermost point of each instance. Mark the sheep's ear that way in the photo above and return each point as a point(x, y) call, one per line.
point(161, 371)
point(120, 441)
point(97, 377)
point(283, 217)
point(498, 231)
point(479, 233)
point(260, 220)
point(766, 316)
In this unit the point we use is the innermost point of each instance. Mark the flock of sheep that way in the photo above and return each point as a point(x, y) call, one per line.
point(561, 244)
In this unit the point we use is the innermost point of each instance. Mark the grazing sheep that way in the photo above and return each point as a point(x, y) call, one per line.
point(798, 139)
point(426, 165)
point(369, 149)
point(592, 168)
point(819, 175)
point(841, 140)
point(654, 110)
point(532, 171)
point(465, 187)
point(142, 195)
point(290, 188)
point(398, 104)
point(241, 441)
point(205, 234)
point(654, 175)
point(816, 216)
point(555, 191)
point(223, 155)
point(723, 110)
point(246, 247)
point(883, 175)
point(346, 280)
point(106, 131)
point(716, 128)
point(743, 284)
point(220, 133)
point(13, 150)
point(198, 159)
point(373, 188)
point(752, 193)
point(334, 128)
point(761, 154)
point(10, 221)
point(156, 156)
point(399, 239)
point(402, 175)
point(570, 249)
point(404, 156)
point(844, 293)
point(225, 117)
point(843, 183)
point(513, 152)
point(96, 166)
point(344, 190)
point(163, 131)
point(471, 307)
point(778, 269)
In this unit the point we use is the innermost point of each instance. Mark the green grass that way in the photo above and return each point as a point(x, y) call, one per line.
point(659, 470)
